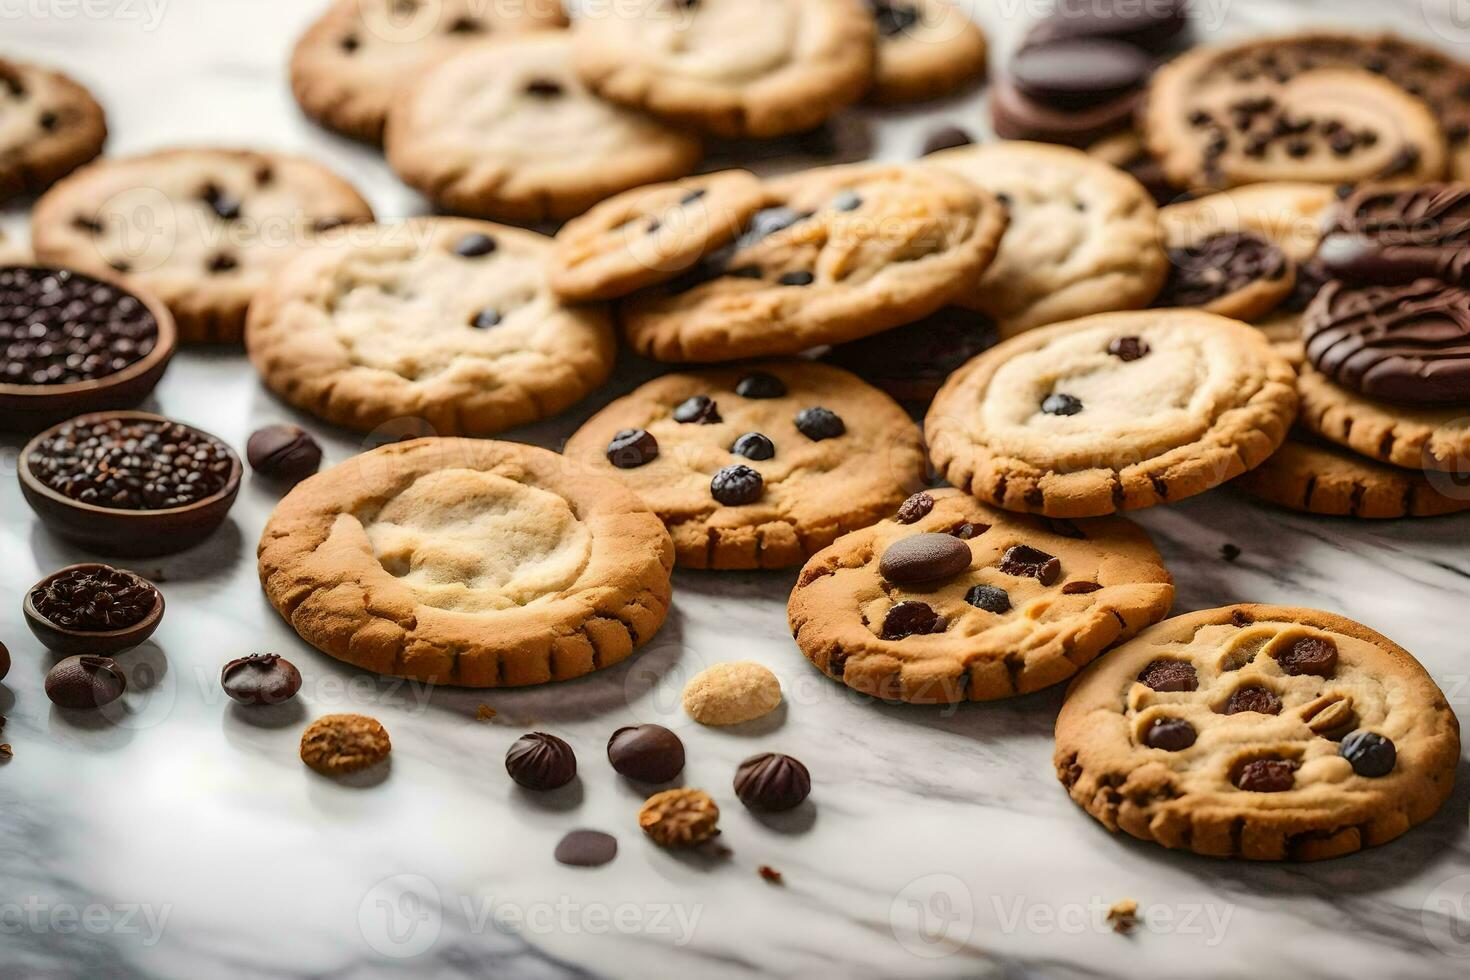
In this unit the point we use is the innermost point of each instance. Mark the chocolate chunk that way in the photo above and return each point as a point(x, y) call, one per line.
point(760, 385)
point(698, 410)
point(1024, 560)
point(83, 683)
point(753, 445)
point(1220, 265)
point(539, 761)
point(772, 781)
point(586, 849)
point(1080, 588)
point(1229, 552)
point(924, 558)
point(911, 618)
point(968, 530)
point(1266, 776)
point(989, 598)
point(1079, 73)
point(800, 278)
point(473, 246)
point(286, 453)
point(819, 423)
point(1257, 699)
point(1371, 754)
point(486, 318)
point(737, 485)
point(632, 448)
point(262, 678)
point(1169, 676)
point(1240, 619)
point(1309, 655)
point(647, 753)
point(224, 206)
point(1064, 528)
point(1128, 348)
point(946, 138)
point(1170, 734)
point(544, 88)
point(1061, 404)
point(915, 509)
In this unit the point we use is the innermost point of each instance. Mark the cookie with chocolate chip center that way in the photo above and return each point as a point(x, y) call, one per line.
point(926, 49)
point(49, 126)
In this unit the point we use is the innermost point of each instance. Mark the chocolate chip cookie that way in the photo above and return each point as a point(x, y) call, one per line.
point(202, 229)
point(926, 49)
point(1112, 412)
point(1258, 732)
point(1316, 477)
point(49, 126)
point(506, 131)
point(467, 562)
point(1391, 235)
point(350, 63)
point(735, 68)
point(1083, 236)
point(950, 600)
point(757, 466)
point(441, 319)
point(835, 254)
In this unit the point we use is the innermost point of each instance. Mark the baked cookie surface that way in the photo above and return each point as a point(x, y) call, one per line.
point(756, 466)
point(735, 68)
point(1083, 236)
point(1258, 732)
point(467, 562)
point(835, 254)
point(1316, 477)
point(350, 63)
point(951, 600)
point(1427, 437)
point(49, 126)
point(506, 131)
point(926, 49)
point(1112, 412)
point(442, 319)
point(204, 230)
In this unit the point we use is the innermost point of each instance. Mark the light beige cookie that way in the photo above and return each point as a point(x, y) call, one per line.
point(467, 562)
point(353, 59)
point(49, 126)
point(926, 49)
point(736, 68)
point(506, 131)
point(1315, 477)
point(441, 319)
point(950, 600)
point(1112, 412)
point(756, 466)
point(837, 253)
point(1423, 437)
point(1083, 236)
point(651, 234)
point(731, 693)
point(204, 230)
point(1258, 732)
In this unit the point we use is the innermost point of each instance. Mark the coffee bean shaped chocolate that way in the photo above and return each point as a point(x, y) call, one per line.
point(915, 508)
point(262, 678)
point(698, 410)
point(924, 558)
point(1170, 734)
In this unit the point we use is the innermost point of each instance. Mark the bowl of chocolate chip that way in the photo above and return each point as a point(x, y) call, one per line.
point(73, 343)
point(93, 609)
point(129, 483)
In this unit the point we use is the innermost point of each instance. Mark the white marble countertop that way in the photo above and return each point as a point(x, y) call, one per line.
point(182, 837)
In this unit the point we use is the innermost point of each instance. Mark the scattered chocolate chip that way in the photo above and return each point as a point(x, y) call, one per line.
point(698, 410)
point(474, 245)
point(924, 558)
point(946, 138)
point(59, 327)
point(544, 88)
point(586, 849)
point(286, 453)
point(753, 445)
point(1371, 754)
point(1024, 560)
point(95, 599)
point(893, 18)
point(1169, 675)
point(262, 678)
point(539, 761)
point(222, 262)
point(465, 25)
point(1229, 552)
point(485, 319)
point(1266, 776)
point(1064, 528)
point(1170, 734)
point(1309, 655)
point(911, 618)
point(632, 448)
point(915, 509)
point(735, 486)
point(1080, 588)
point(84, 682)
point(1257, 699)
point(1061, 404)
point(647, 753)
point(796, 279)
point(760, 385)
point(350, 43)
point(1128, 348)
point(989, 598)
point(772, 781)
point(819, 423)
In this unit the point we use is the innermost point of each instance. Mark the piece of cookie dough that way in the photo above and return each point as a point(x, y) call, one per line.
point(49, 126)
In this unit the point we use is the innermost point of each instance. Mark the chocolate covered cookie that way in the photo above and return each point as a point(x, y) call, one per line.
point(1392, 235)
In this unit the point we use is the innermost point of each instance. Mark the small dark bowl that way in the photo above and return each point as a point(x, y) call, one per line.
point(30, 408)
point(128, 533)
point(97, 643)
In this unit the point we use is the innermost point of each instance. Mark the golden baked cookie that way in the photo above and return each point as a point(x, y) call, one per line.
point(49, 126)
point(1316, 477)
point(1422, 437)
point(926, 49)
point(335, 745)
point(731, 693)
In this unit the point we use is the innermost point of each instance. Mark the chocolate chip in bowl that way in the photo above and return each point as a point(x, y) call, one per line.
point(73, 343)
point(129, 483)
point(93, 609)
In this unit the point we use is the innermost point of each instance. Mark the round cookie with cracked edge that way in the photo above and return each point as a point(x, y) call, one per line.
point(467, 562)
point(220, 225)
point(1183, 793)
point(1003, 628)
point(49, 126)
point(350, 63)
point(735, 68)
point(811, 489)
point(837, 253)
point(1300, 107)
point(1112, 412)
point(1315, 477)
point(1416, 437)
point(443, 319)
point(926, 49)
point(651, 234)
point(506, 131)
point(1083, 236)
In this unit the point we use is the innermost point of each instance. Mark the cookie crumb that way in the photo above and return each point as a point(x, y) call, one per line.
point(679, 817)
point(771, 874)
point(485, 713)
point(1124, 915)
point(1229, 552)
point(731, 693)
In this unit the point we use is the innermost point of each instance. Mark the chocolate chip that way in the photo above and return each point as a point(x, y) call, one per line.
point(737, 485)
point(819, 423)
point(222, 262)
point(586, 849)
point(1230, 552)
point(474, 245)
point(892, 18)
point(772, 781)
point(692, 196)
point(485, 319)
point(698, 410)
point(465, 25)
point(1169, 676)
point(767, 222)
point(1128, 348)
point(745, 272)
point(760, 385)
point(262, 678)
point(1255, 699)
point(4, 669)
point(225, 207)
point(947, 138)
point(1266, 776)
point(1061, 404)
point(1170, 734)
point(796, 279)
point(94, 599)
point(1309, 655)
point(1371, 754)
point(543, 88)
point(847, 201)
point(647, 753)
point(924, 558)
point(915, 509)
point(1240, 618)
point(1023, 560)
point(283, 452)
point(1062, 527)
point(350, 43)
point(83, 683)
point(753, 445)
point(1080, 588)
point(632, 448)
point(911, 618)
point(132, 464)
point(989, 598)
point(540, 762)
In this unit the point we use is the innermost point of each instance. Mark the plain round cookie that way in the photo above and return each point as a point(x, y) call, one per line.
point(735, 68)
point(506, 131)
point(1185, 796)
point(352, 60)
point(651, 234)
point(926, 49)
point(836, 253)
point(49, 126)
point(442, 319)
point(467, 562)
point(1083, 236)
point(1112, 412)
point(1319, 478)
point(1038, 600)
point(204, 230)
point(1425, 437)
point(812, 489)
